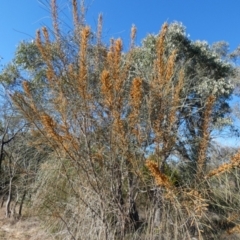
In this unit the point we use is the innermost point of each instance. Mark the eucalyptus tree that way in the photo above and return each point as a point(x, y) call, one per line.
point(207, 70)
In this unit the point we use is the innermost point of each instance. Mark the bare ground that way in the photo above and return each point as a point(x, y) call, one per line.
point(27, 228)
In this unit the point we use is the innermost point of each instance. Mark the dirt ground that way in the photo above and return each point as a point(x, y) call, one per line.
point(27, 228)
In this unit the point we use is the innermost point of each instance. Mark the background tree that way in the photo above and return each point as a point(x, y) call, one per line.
point(205, 72)
point(18, 158)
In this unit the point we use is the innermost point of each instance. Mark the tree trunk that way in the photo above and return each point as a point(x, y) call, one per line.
point(8, 203)
point(21, 203)
point(132, 208)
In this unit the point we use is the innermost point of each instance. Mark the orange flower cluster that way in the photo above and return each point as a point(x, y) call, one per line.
point(44, 50)
point(49, 125)
point(75, 14)
point(195, 202)
point(26, 88)
point(160, 178)
point(106, 88)
point(55, 19)
point(205, 135)
point(82, 76)
point(226, 167)
point(136, 99)
point(160, 51)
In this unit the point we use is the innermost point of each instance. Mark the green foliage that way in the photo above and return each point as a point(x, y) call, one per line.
point(173, 174)
point(28, 57)
point(10, 75)
point(206, 71)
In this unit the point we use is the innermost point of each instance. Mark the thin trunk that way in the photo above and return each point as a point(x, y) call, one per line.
point(21, 203)
point(8, 210)
point(132, 208)
point(3, 200)
point(118, 200)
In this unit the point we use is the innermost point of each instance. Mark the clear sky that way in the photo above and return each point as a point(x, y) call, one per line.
point(210, 20)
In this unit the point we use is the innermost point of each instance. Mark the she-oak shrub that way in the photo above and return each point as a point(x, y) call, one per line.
point(100, 121)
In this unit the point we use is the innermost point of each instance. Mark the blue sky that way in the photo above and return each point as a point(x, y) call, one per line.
point(212, 21)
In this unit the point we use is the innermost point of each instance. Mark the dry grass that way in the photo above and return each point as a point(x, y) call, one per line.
point(27, 228)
